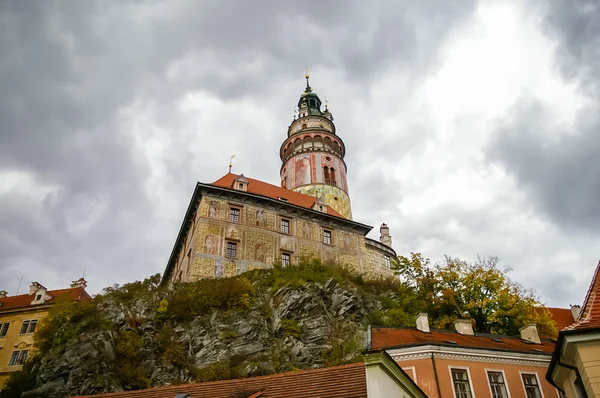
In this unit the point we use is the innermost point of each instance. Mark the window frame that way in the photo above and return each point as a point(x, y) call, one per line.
point(412, 370)
point(387, 260)
point(487, 371)
point(24, 325)
point(330, 232)
point(470, 379)
point(537, 379)
point(289, 225)
point(14, 355)
point(2, 327)
point(231, 217)
point(289, 259)
point(32, 326)
point(227, 250)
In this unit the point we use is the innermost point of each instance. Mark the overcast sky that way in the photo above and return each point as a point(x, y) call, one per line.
point(472, 128)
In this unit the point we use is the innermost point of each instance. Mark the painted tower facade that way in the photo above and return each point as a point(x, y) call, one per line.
point(313, 155)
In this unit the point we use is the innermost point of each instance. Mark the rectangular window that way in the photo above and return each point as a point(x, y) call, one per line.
point(4, 328)
point(38, 297)
point(285, 259)
point(497, 385)
point(327, 237)
point(234, 215)
point(285, 226)
point(532, 388)
point(32, 326)
point(24, 327)
point(14, 358)
point(22, 357)
point(387, 261)
point(460, 379)
point(231, 250)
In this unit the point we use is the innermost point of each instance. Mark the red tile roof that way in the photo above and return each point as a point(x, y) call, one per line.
point(562, 316)
point(396, 337)
point(261, 188)
point(24, 300)
point(343, 381)
point(589, 317)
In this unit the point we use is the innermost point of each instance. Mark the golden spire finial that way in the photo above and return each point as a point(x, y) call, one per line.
point(306, 75)
point(230, 159)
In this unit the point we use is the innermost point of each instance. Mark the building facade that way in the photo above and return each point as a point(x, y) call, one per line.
point(19, 317)
point(239, 223)
point(575, 366)
point(464, 364)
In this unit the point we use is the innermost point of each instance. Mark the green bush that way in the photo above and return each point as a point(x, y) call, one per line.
point(291, 328)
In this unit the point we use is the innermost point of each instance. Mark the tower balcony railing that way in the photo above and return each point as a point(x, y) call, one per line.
point(331, 182)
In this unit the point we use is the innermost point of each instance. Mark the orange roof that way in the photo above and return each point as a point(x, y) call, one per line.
point(589, 317)
point(261, 188)
point(391, 337)
point(562, 316)
point(343, 381)
point(24, 300)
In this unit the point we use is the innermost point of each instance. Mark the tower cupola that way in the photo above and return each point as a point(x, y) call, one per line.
point(312, 155)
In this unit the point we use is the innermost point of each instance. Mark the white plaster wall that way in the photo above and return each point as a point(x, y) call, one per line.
point(380, 385)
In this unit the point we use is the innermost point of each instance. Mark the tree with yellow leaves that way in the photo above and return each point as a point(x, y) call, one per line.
point(480, 291)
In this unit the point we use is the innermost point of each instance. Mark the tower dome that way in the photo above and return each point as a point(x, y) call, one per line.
point(312, 155)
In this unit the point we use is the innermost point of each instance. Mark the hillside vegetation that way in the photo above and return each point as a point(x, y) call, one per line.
point(140, 335)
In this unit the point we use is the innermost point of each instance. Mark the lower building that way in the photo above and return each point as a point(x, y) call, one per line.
point(464, 364)
point(19, 317)
point(377, 376)
point(237, 224)
point(575, 365)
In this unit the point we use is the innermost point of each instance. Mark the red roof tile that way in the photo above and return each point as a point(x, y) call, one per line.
point(261, 188)
point(24, 300)
point(589, 317)
point(336, 382)
point(389, 337)
point(562, 316)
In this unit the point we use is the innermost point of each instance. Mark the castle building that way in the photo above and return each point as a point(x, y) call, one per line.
point(19, 317)
point(238, 223)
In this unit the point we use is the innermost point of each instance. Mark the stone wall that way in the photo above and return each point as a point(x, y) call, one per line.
point(260, 242)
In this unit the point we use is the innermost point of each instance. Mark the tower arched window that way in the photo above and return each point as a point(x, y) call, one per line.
point(326, 174)
point(332, 175)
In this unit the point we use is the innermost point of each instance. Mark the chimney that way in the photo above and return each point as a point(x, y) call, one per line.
point(464, 326)
point(575, 310)
point(3, 293)
point(530, 333)
point(79, 283)
point(385, 237)
point(423, 322)
point(34, 287)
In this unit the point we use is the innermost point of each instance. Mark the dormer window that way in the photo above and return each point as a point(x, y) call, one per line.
point(240, 183)
point(38, 297)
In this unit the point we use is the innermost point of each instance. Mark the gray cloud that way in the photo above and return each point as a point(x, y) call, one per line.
point(88, 193)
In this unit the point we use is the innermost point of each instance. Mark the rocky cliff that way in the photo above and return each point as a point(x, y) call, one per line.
point(262, 322)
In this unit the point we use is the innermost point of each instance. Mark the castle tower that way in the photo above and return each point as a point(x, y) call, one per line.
point(313, 155)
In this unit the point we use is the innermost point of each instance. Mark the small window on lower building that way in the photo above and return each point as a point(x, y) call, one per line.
point(497, 384)
point(32, 326)
point(24, 327)
point(286, 259)
point(327, 237)
point(231, 250)
point(531, 385)
point(4, 328)
point(460, 380)
point(387, 261)
point(18, 357)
